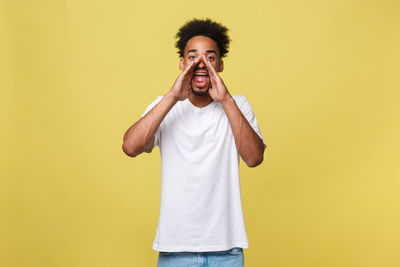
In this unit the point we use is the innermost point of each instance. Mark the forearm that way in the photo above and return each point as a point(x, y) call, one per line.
point(248, 143)
point(140, 134)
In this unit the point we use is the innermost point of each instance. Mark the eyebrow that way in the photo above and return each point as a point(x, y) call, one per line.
point(208, 51)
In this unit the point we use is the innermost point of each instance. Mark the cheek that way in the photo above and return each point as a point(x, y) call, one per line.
point(187, 62)
point(215, 66)
point(183, 65)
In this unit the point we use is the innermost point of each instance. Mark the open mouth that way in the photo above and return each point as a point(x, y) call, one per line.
point(201, 78)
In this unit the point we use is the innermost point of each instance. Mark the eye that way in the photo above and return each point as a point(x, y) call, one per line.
point(191, 57)
point(210, 58)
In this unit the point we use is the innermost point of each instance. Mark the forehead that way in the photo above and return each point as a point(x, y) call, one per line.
point(201, 43)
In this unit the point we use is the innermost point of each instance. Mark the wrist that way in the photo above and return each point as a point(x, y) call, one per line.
point(170, 96)
point(227, 100)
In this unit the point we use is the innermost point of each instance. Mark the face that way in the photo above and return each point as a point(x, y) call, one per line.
point(195, 48)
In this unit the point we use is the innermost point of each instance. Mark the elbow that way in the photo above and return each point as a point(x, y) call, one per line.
point(255, 161)
point(130, 150)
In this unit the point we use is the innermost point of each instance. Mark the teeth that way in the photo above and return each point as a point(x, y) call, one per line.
point(201, 74)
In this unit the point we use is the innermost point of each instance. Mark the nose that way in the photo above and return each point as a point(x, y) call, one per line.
point(201, 64)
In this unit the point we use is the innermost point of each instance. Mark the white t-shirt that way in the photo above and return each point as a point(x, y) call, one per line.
point(200, 207)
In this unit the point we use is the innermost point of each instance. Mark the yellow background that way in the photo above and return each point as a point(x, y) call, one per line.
point(323, 78)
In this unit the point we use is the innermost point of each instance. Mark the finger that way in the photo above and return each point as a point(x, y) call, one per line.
point(191, 66)
point(210, 68)
point(188, 72)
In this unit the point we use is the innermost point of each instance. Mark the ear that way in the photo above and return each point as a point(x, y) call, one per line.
point(181, 63)
point(221, 66)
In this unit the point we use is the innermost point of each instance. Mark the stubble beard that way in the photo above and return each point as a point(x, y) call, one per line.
point(202, 93)
point(199, 93)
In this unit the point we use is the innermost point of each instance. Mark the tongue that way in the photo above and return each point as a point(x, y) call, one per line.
point(200, 79)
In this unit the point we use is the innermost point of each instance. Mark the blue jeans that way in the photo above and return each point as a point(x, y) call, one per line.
point(228, 258)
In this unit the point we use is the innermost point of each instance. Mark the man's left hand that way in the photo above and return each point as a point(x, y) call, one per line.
point(218, 90)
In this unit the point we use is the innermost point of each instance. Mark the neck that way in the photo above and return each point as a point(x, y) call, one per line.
point(200, 100)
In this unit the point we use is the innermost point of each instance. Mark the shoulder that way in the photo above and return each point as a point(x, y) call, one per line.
point(155, 102)
point(240, 100)
point(158, 99)
point(152, 104)
point(238, 97)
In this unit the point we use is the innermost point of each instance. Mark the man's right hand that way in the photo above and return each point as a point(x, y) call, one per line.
point(181, 88)
point(140, 136)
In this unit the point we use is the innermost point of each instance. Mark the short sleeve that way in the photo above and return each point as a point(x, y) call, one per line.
point(248, 113)
point(158, 131)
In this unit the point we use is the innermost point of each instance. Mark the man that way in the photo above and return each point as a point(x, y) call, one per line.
point(201, 129)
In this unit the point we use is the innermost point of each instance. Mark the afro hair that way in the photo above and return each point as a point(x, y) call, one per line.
point(205, 27)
